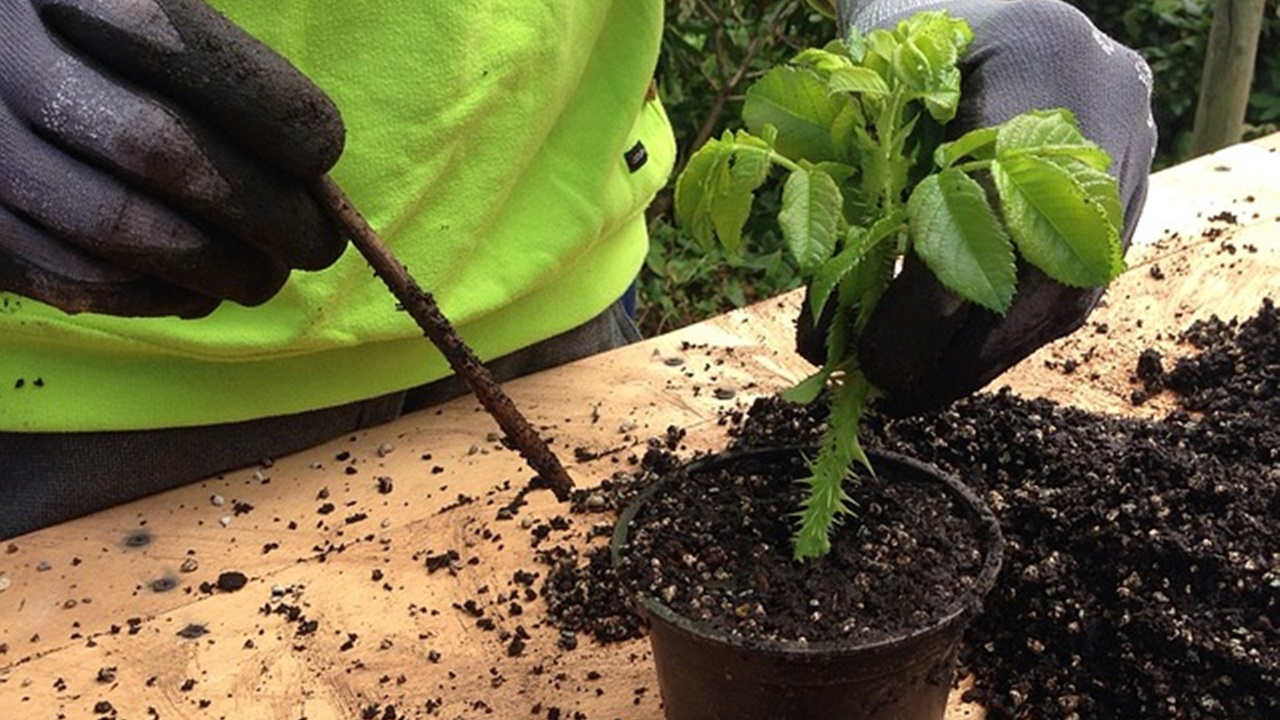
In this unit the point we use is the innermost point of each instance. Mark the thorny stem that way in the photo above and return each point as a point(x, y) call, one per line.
point(423, 308)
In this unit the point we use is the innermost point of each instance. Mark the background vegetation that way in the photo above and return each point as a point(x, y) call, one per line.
point(713, 49)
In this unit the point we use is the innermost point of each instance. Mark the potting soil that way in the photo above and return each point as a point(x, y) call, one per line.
point(1142, 573)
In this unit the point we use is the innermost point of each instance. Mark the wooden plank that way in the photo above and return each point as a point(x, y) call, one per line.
point(84, 620)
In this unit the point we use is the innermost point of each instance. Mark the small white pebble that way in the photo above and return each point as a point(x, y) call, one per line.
point(217, 500)
point(385, 449)
point(5, 582)
point(225, 520)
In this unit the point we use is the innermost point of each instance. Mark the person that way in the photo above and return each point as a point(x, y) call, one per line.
point(175, 303)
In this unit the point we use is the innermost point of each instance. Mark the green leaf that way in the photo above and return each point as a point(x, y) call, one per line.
point(1046, 133)
point(696, 189)
point(884, 228)
point(796, 101)
point(879, 48)
point(855, 43)
point(731, 208)
point(1101, 187)
point(848, 131)
point(829, 275)
point(862, 289)
point(810, 217)
point(807, 390)
point(941, 37)
point(837, 345)
point(715, 192)
point(958, 236)
point(978, 144)
point(912, 66)
point(824, 61)
point(925, 59)
point(858, 80)
point(839, 172)
point(1058, 220)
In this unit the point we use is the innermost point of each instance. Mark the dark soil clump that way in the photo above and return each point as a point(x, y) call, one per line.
point(1142, 572)
point(1142, 569)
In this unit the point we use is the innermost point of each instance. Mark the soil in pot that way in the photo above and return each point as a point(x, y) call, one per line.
point(742, 630)
point(1142, 565)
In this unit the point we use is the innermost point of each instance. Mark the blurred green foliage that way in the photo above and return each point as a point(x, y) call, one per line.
point(1171, 35)
point(712, 50)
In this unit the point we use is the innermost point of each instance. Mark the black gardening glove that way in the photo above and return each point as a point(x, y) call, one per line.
point(924, 347)
point(155, 159)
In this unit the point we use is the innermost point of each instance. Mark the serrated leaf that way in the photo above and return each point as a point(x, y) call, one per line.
point(834, 270)
point(942, 36)
point(1057, 220)
point(978, 144)
point(860, 80)
point(839, 172)
point(824, 61)
point(935, 34)
point(943, 99)
point(958, 236)
point(1047, 133)
point(696, 189)
point(846, 130)
point(1100, 186)
point(925, 60)
point(796, 102)
point(807, 390)
point(715, 192)
point(731, 207)
point(810, 217)
point(880, 47)
point(912, 66)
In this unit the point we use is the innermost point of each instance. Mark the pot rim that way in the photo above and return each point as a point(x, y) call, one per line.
point(985, 525)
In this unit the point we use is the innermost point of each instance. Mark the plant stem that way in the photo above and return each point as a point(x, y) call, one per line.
point(423, 308)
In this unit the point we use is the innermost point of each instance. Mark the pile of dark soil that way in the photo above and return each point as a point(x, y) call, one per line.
point(1142, 571)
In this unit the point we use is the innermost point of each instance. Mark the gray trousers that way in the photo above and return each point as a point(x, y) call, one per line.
point(47, 478)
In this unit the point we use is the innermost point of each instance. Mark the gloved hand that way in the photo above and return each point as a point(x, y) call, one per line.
point(923, 346)
point(154, 159)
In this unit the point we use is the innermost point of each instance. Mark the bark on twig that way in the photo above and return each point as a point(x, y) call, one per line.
point(423, 308)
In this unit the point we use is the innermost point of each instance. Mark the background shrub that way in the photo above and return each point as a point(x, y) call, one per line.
point(713, 49)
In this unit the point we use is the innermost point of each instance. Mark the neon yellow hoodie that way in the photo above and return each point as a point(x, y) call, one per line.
point(485, 141)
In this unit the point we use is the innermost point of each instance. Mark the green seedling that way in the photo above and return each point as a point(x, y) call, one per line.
point(857, 127)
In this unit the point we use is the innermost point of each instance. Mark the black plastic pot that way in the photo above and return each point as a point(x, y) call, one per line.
point(706, 674)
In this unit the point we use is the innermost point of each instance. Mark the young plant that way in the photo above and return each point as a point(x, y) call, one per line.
point(857, 127)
